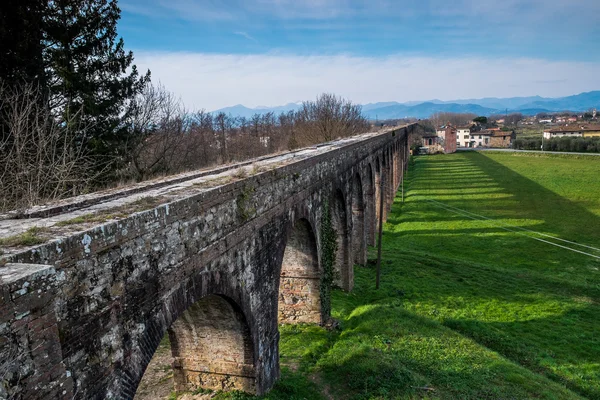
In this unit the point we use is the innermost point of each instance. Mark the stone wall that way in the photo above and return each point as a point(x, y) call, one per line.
point(85, 319)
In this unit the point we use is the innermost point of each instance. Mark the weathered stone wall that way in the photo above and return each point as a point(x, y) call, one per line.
point(30, 346)
point(85, 320)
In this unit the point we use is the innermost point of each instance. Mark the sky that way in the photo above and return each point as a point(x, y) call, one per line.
point(215, 53)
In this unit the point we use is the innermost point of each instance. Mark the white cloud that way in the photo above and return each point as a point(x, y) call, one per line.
point(213, 81)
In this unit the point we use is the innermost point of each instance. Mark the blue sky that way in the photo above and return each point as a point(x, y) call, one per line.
point(217, 53)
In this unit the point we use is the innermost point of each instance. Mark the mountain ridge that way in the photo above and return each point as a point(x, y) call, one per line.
point(528, 105)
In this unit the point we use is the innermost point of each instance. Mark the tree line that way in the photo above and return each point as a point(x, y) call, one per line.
point(76, 114)
point(174, 139)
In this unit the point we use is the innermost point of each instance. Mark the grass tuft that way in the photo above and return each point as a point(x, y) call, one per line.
point(33, 236)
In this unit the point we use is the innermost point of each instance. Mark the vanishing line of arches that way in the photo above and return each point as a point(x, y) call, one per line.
point(211, 342)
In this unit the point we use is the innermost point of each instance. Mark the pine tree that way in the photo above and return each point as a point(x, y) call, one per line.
point(91, 79)
point(21, 61)
point(21, 41)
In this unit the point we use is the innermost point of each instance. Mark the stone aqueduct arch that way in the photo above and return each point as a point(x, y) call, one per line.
point(218, 284)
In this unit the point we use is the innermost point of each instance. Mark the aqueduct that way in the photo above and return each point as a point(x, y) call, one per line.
point(216, 267)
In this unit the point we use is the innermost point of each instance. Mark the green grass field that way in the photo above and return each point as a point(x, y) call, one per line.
point(471, 306)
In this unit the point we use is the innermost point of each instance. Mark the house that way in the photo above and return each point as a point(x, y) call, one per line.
point(431, 144)
point(572, 131)
point(545, 121)
point(447, 138)
point(480, 139)
point(502, 138)
point(463, 136)
point(591, 131)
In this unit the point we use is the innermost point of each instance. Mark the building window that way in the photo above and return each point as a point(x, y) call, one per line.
point(430, 142)
point(479, 136)
point(486, 140)
point(466, 137)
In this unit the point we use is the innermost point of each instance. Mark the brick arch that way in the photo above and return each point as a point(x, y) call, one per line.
point(212, 347)
point(299, 298)
point(340, 222)
point(358, 234)
point(203, 307)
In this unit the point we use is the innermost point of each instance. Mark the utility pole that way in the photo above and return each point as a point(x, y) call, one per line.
point(381, 195)
point(542, 141)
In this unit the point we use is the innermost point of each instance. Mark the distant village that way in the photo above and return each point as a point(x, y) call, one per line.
point(482, 132)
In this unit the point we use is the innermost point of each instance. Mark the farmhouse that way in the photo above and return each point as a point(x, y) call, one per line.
point(480, 139)
point(592, 131)
point(572, 131)
point(463, 136)
point(447, 138)
point(431, 144)
point(502, 139)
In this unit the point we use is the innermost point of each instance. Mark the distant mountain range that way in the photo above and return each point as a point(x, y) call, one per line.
point(486, 106)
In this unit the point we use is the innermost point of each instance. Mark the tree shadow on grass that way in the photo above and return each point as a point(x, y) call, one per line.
point(536, 201)
point(458, 272)
point(388, 352)
point(564, 339)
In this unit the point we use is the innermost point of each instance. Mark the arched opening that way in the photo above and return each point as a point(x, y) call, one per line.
point(299, 285)
point(370, 208)
point(210, 347)
point(359, 248)
point(339, 220)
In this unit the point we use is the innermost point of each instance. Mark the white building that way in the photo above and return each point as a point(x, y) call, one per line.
point(481, 139)
point(463, 136)
point(572, 131)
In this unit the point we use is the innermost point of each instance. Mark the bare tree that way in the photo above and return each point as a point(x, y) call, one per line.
point(330, 117)
point(456, 119)
point(40, 159)
point(513, 119)
point(161, 123)
point(223, 125)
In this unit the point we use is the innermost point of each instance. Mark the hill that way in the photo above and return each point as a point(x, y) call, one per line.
point(486, 106)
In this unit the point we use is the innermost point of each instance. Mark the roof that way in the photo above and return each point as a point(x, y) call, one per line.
point(575, 128)
point(502, 133)
point(445, 128)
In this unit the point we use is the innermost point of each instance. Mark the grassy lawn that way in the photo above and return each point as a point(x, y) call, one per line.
point(471, 306)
